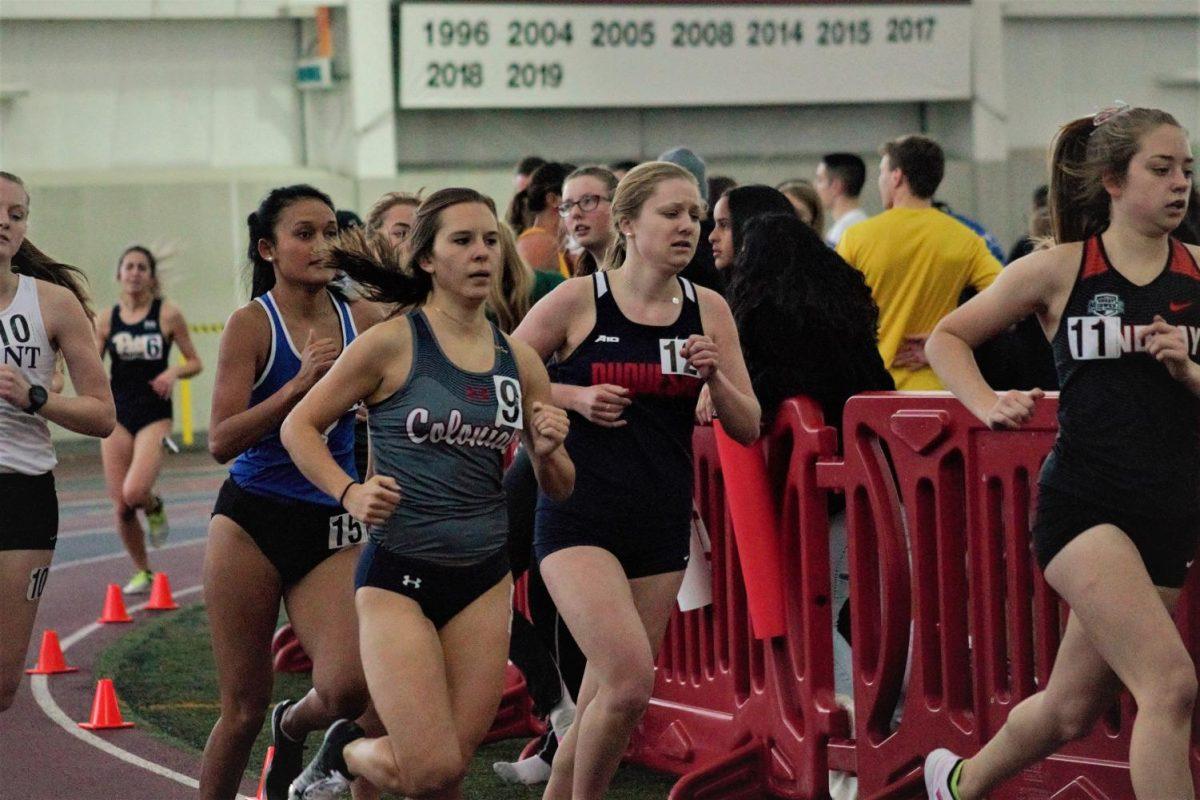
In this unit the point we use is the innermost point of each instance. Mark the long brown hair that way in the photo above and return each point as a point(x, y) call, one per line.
point(509, 298)
point(29, 260)
point(378, 267)
point(1084, 152)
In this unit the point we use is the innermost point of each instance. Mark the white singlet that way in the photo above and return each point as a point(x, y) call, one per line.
point(25, 445)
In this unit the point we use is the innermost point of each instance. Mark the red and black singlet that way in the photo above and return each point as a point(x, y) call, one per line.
point(1128, 432)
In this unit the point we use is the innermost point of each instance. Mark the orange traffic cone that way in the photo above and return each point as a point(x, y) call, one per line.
point(160, 594)
point(261, 794)
point(114, 606)
point(50, 657)
point(106, 714)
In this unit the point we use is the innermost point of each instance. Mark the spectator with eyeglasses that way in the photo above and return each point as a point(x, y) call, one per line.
point(586, 210)
point(540, 241)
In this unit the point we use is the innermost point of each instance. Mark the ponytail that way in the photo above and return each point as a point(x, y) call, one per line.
point(375, 265)
point(33, 262)
point(1085, 152)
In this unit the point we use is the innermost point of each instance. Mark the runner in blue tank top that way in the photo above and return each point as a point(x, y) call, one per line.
point(1118, 511)
point(635, 344)
point(273, 534)
point(448, 393)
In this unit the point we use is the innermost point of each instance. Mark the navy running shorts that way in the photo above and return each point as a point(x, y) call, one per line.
point(441, 590)
point(642, 548)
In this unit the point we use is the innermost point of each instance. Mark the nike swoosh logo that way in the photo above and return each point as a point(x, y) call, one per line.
point(1177, 307)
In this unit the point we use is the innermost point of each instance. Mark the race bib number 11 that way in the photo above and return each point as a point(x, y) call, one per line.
point(1092, 338)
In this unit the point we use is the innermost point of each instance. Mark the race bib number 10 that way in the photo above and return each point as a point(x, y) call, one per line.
point(344, 531)
point(1092, 338)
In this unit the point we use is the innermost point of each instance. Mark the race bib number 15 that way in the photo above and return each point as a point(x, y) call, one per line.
point(344, 531)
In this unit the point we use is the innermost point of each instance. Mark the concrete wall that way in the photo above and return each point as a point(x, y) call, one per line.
point(140, 120)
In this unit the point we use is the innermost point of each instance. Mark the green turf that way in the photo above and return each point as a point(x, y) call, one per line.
point(164, 674)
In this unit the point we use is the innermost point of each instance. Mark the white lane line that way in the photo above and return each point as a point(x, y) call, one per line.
point(121, 554)
point(41, 693)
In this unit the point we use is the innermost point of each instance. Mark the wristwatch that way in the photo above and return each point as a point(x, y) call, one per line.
point(37, 398)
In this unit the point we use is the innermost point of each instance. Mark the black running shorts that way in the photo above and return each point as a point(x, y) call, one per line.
point(28, 512)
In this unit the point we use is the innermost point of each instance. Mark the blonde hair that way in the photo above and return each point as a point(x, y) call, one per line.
point(806, 193)
point(509, 298)
point(1084, 152)
point(632, 193)
point(385, 204)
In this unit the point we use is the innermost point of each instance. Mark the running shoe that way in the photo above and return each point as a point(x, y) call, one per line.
point(289, 756)
point(139, 583)
point(156, 521)
point(325, 776)
point(938, 766)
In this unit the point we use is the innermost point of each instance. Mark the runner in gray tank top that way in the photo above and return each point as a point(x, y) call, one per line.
point(447, 394)
point(442, 436)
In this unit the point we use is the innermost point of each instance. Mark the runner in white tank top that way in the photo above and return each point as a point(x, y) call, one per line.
point(38, 321)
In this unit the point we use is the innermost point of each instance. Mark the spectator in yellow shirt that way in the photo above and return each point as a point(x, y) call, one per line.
point(916, 259)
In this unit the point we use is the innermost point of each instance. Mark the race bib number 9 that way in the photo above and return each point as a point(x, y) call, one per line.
point(670, 353)
point(1092, 338)
point(344, 531)
point(509, 413)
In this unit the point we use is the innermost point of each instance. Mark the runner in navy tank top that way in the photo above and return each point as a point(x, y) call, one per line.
point(137, 337)
point(448, 393)
point(1117, 511)
point(635, 345)
point(274, 535)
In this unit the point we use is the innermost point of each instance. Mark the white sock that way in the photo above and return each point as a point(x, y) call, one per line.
point(562, 715)
point(528, 771)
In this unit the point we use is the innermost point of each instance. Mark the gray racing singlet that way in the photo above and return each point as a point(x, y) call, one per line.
point(442, 436)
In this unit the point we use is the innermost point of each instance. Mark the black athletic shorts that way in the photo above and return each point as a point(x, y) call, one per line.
point(28, 512)
point(1167, 543)
point(135, 413)
point(642, 548)
point(295, 536)
point(441, 590)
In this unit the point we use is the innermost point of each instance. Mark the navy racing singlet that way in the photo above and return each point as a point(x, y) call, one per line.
point(140, 351)
point(641, 471)
point(266, 467)
point(1127, 430)
point(442, 435)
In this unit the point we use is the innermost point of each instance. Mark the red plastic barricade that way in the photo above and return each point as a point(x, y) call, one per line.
point(739, 717)
point(951, 622)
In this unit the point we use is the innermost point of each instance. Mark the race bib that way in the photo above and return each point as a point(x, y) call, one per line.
point(670, 352)
point(344, 531)
point(1092, 338)
point(509, 413)
point(37, 583)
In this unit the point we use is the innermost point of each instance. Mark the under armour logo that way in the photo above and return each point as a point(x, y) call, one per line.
point(413, 582)
point(151, 325)
point(607, 339)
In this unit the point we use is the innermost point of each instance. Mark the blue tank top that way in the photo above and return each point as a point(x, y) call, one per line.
point(442, 436)
point(641, 471)
point(266, 468)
